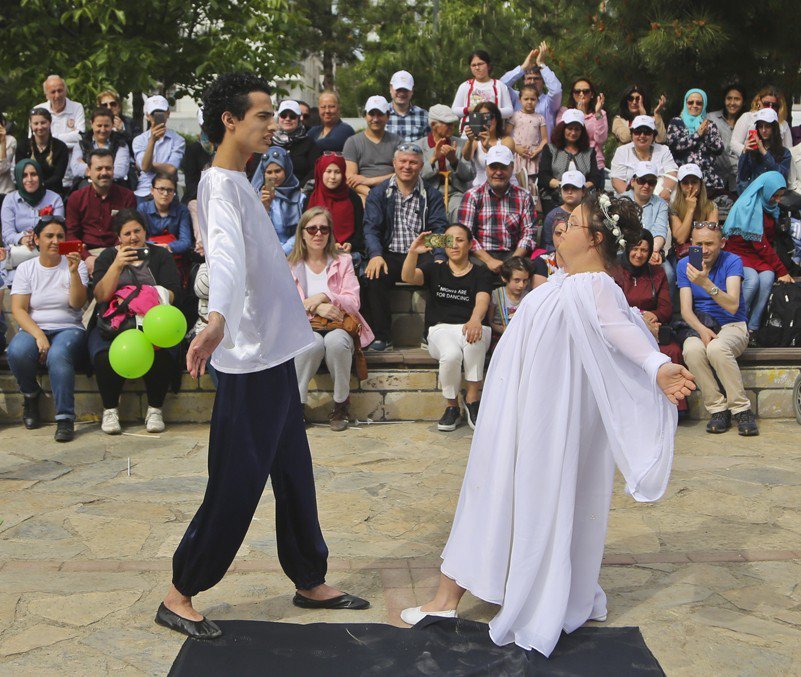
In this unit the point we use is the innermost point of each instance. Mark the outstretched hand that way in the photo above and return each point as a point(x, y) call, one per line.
point(675, 381)
point(204, 344)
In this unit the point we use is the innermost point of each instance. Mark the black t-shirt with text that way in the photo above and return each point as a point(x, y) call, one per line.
point(451, 298)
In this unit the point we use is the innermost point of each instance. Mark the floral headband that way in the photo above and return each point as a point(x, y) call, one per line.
point(610, 220)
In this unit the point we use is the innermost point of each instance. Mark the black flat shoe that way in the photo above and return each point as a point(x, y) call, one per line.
point(204, 629)
point(342, 602)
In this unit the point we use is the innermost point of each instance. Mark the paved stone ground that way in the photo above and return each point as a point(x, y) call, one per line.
point(711, 574)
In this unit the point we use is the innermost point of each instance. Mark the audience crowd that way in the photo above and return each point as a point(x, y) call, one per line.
point(468, 200)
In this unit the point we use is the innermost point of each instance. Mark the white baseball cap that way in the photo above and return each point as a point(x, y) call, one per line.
point(573, 177)
point(402, 80)
point(690, 169)
point(645, 169)
point(377, 103)
point(643, 121)
point(572, 115)
point(766, 115)
point(154, 103)
point(499, 155)
point(291, 106)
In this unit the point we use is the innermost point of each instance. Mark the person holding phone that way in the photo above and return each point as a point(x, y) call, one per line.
point(764, 151)
point(158, 149)
point(47, 300)
point(767, 97)
point(485, 129)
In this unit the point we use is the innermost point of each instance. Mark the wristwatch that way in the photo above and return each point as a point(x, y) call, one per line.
point(714, 291)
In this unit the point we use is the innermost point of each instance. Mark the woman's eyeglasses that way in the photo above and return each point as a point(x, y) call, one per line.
point(582, 91)
point(646, 182)
point(711, 225)
point(643, 131)
point(288, 115)
point(631, 98)
point(313, 230)
point(771, 104)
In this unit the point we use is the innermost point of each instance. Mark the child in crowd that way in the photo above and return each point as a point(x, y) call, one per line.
point(573, 190)
point(516, 274)
point(530, 135)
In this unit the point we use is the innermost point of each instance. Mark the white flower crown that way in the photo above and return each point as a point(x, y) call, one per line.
point(610, 220)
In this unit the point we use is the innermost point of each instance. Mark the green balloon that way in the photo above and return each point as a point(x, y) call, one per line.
point(131, 354)
point(164, 326)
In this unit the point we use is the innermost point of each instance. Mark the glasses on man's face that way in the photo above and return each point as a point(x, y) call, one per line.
point(583, 90)
point(313, 230)
point(410, 148)
point(711, 225)
point(646, 181)
point(771, 104)
point(164, 190)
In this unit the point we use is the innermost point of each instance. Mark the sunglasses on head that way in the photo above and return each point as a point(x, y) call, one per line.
point(52, 218)
point(645, 181)
point(712, 225)
point(771, 104)
point(410, 148)
point(586, 90)
point(313, 230)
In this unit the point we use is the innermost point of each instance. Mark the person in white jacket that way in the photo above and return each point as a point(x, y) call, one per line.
point(767, 97)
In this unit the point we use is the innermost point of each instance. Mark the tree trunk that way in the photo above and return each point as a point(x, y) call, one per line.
point(328, 69)
point(138, 107)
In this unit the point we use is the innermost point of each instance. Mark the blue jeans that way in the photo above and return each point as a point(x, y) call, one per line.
point(67, 349)
point(756, 292)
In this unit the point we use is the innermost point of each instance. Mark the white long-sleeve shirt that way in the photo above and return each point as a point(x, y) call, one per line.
point(250, 283)
point(745, 123)
point(470, 95)
point(549, 102)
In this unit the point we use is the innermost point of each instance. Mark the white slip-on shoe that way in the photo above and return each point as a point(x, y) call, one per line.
point(154, 421)
point(413, 615)
point(111, 422)
point(598, 619)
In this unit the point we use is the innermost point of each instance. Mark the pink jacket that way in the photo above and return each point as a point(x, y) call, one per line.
point(598, 131)
point(343, 290)
point(147, 298)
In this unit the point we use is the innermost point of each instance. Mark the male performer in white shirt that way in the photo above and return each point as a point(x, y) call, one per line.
point(256, 326)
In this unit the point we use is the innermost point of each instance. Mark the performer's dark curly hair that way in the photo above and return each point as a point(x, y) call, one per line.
point(229, 92)
point(629, 223)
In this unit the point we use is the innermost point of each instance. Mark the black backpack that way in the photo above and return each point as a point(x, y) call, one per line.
point(781, 325)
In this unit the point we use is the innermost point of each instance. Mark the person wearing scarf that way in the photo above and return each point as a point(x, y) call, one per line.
point(292, 136)
point(284, 203)
point(343, 202)
point(750, 230)
point(693, 138)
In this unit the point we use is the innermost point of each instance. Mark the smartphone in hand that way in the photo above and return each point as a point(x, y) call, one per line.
point(438, 240)
point(69, 246)
point(696, 257)
point(159, 117)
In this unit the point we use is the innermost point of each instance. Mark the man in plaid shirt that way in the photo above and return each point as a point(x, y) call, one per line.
point(408, 121)
point(500, 214)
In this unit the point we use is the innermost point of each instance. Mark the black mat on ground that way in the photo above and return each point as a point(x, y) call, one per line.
point(433, 647)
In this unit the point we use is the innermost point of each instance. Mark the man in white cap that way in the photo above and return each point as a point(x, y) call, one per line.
point(573, 189)
point(369, 154)
point(158, 149)
point(443, 152)
point(408, 121)
point(500, 214)
point(655, 213)
point(69, 120)
point(643, 148)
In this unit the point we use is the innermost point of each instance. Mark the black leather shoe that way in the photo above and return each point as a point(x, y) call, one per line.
point(30, 410)
point(204, 629)
point(65, 430)
point(342, 602)
point(720, 422)
point(746, 423)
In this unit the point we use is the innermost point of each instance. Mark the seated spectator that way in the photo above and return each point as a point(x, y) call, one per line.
point(22, 210)
point(201, 288)
point(643, 149)
point(504, 301)
point(750, 231)
point(343, 204)
point(530, 134)
point(444, 163)
point(408, 121)
point(292, 137)
point(725, 119)
point(67, 118)
point(8, 151)
point(712, 306)
point(119, 267)
point(101, 136)
point(90, 209)
point(47, 302)
point(481, 88)
point(280, 193)
point(328, 287)
point(583, 97)
point(51, 154)
point(369, 154)
point(167, 220)
point(545, 265)
point(499, 215)
point(764, 151)
point(573, 189)
point(125, 126)
point(197, 158)
point(534, 71)
point(646, 288)
point(655, 216)
point(158, 149)
point(309, 116)
point(767, 97)
point(690, 205)
point(397, 211)
point(493, 134)
point(459, 297)
point(635, 102)
point(570, 143)
point(332, 133)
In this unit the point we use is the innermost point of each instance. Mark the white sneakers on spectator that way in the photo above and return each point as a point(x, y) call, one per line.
point(413, 615)
point(111, 422)
point(154, 422)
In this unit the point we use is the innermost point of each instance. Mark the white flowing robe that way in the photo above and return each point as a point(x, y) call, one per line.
point(570, 393)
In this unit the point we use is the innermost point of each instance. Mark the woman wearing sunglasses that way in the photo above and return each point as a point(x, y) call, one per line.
point(585, 98)
point(292, 137)
point(643, 149)
point(690, 205)
point(636, 101)
point(328, 287)
point(767, 97)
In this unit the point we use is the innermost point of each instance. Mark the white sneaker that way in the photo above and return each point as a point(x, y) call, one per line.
point(111, 422)
point(413, 615)
point(154, 422)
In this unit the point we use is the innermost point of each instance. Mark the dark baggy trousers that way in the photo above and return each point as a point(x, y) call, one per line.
point(257, 431)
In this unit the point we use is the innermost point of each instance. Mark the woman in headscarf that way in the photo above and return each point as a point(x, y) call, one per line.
point(280, 193)
point(23, 209)
point(693, 138)
point(291, 136)
point(347, 212)
point(750, 230)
